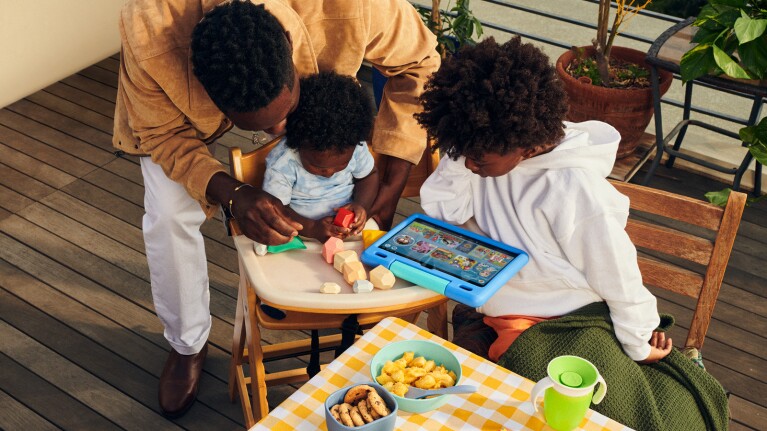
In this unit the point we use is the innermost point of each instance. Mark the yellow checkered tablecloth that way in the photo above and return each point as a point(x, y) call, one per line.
point(501, 401)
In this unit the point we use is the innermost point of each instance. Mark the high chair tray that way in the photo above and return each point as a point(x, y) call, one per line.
point(291, 280)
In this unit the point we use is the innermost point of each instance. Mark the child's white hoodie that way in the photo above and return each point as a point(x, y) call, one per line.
point(558, 207)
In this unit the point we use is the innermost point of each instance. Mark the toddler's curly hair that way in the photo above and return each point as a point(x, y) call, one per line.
point(493, 98)
point(334, 112)
point(242, 57)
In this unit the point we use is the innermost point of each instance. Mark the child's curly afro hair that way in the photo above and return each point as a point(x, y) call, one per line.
point(242, 56)
point(493, 98)
point(334, 112)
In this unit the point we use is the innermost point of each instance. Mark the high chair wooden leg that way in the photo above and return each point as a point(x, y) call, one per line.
point(259, 405)
point(238, 342)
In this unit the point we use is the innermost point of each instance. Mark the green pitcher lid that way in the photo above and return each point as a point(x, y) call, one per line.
point(571, 379)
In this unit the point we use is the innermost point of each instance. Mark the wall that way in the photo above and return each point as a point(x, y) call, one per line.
point(43, 41)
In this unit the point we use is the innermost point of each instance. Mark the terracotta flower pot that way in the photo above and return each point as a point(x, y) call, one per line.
point(628, 110)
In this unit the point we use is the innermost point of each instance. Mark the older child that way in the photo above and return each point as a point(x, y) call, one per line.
point(531, 180)
point(323, 163)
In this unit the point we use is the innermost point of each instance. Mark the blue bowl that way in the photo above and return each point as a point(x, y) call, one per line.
point(429, 350)
point(385, 423)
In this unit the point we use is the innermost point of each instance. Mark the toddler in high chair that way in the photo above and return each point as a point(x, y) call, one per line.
point(323, 163)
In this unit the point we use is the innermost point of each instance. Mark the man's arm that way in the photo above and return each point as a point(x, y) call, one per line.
point(393, 178)
point(403, 50)
point(260, 216)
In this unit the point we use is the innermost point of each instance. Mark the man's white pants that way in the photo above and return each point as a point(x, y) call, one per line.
point(178, 267)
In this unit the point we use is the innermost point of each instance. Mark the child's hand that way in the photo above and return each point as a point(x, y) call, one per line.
point(324, 229)
point(360, 217)
point(329, 229)
point(660, 347)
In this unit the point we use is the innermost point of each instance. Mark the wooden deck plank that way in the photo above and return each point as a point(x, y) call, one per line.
point(101, 247)
point(70, 127)
point(82, 98)
point(111, 64)
point(101, 75)
point(94, 393)
point(66, 143)
point(46, 400)
point(121, 368)
point(747, 414)
point(95, 120)
point(25, 185)
point(45, 154)
point(106, 92)
point(11, 201)
point(27, 165)
point(17, 416)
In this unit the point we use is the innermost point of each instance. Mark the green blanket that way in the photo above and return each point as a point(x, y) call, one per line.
point(674, 394)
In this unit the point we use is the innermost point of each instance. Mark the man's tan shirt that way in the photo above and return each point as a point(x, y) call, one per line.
point(164, 112)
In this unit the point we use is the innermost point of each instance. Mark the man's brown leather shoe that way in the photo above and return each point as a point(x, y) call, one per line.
point(179, 382)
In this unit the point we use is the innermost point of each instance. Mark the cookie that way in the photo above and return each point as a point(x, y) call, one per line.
point(343, 412)
point(362, 406)
point(375, 402)
point(357, 393)
point(334, 412)
point(354, 413)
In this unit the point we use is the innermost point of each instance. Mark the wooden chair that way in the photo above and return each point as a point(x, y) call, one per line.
point(671, 246)
point(250, 318)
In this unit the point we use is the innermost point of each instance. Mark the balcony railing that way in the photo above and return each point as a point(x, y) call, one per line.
point(558, 25)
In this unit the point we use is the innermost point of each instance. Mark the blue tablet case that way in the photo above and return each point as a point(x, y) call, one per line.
point(460, 264)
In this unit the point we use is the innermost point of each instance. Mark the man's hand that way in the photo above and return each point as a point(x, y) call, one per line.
point(660, 347)
point(261, 217)
point(394, 175)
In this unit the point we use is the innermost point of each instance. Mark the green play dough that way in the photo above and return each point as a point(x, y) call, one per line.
point(290, 245)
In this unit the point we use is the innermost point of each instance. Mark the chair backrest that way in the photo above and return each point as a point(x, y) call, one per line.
point(250, 167)
point(689, 233)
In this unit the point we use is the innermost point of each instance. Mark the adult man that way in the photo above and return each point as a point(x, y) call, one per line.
point(185, 80)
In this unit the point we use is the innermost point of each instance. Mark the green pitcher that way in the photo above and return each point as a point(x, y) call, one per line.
point(569, 391)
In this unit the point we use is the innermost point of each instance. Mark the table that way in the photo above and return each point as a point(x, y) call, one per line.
point(501, 402)
point(666, 53)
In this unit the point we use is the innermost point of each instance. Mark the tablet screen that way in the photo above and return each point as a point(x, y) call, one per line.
point(462, 257)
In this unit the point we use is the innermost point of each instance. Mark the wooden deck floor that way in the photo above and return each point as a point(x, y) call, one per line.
point(80, 346)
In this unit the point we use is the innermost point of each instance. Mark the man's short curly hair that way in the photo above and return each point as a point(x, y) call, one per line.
point(334, 112)
point(242, 56)
point(493, 98)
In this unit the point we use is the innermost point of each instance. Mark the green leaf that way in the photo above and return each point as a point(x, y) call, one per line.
point(740, 4)
point(707, 13)
point(727, 17)
point(753, 57)
point(756, 138)
point(728, 65)
point(720, 197)
point(696, 62)
point(747, 29)
point(706, 35)
point(759, 151)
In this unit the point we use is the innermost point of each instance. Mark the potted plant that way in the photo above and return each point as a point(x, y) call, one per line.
point(610, 83)
point(454, 27)
point(731, 40)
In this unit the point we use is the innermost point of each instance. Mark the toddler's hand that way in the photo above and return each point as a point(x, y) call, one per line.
point(360, 217)
point(328, 229)
point(660, 347)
